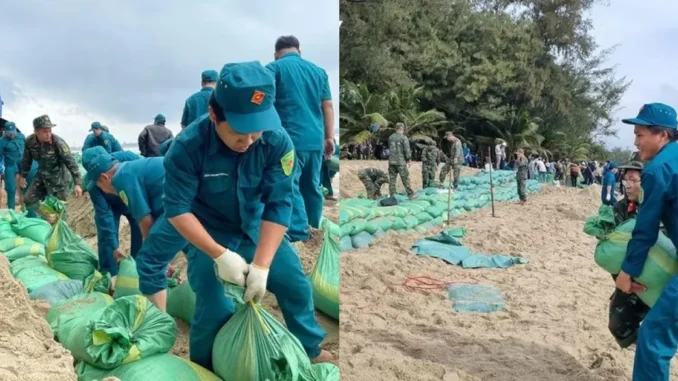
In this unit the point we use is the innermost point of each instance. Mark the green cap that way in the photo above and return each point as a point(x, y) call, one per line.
point(160, 118)
point(246, 94)
point(10, 127)
point(210, 76)
point(637, 165)
point(42, 121)
point(95, 126)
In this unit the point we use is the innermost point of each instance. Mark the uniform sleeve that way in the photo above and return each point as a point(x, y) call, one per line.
point(3, 144)
point(22, 144)
point(89, 142)
point(181, 180)
point(646, 231)
point(326, 94)
point(184, 115)
point(115, 144)
point(133, 191)
point(103, 218)
point(276, 187)
point(142, 141)
point(26, 163)
point(68, 160)
point(406, 148)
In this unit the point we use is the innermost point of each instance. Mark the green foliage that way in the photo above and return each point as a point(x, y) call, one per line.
point(527, 72)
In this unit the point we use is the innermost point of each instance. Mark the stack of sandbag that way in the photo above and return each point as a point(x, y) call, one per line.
point(254, 346)
point(108, 334)
point(21, 236)
point(154, 368)
point(325, 275)
point(661, 264)
point(34, 272)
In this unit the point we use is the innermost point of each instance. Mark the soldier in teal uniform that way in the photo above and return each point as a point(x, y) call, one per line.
point(304, 103)
point(139, 184)
point(108, 208)
point(11, 150)
point(100, 136)
point(196, 104)
point(228, 190)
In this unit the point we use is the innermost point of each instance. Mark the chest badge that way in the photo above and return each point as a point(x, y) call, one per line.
point(287, 163)
point(123, 197)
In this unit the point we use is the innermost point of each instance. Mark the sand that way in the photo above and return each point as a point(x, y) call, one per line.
point(554, 326)
point(27, 350)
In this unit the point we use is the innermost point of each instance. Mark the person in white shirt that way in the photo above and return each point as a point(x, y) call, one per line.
point(541, 168)
point(498, 155)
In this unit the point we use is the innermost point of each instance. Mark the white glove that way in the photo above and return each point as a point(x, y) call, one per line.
point(608, 197)
point(232, 268)
point(256, 284)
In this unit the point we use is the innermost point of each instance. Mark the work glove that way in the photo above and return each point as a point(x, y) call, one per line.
point(608, 197)
point(256, 283)
point(231, 268)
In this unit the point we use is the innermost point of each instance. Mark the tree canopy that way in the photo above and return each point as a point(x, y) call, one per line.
point(524, 71)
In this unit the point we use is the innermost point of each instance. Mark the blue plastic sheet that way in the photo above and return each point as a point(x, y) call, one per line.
point(447, 246)
point(468, 298)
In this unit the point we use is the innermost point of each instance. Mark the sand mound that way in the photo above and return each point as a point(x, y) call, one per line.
point(554, 326)
point(27, 349)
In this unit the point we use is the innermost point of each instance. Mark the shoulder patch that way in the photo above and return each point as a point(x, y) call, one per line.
point(64, 147)
point(287, 163)
point(123, 197)
point(105, 142)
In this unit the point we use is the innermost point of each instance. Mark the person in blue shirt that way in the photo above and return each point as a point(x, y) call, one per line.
point(304, 103)
point(108, 208)
point(196, 104)
point(101, 137)
point(139, 184)
point(11, 150)
point(656, 135)
point(609, 185)
point(228, 190)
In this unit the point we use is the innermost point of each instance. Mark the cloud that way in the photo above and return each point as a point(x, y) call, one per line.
point(123, 62)
point(645, 32)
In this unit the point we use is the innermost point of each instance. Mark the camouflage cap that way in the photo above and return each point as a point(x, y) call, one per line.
point(448, 134)
point(42, 121)
point(399, 126)
point(637, 165)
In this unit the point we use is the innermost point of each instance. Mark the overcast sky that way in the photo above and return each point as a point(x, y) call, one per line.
point(122, 62)
point(648, 54)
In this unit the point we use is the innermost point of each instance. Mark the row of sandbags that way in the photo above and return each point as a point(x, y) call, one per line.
point(363, 220)
point(127, 337)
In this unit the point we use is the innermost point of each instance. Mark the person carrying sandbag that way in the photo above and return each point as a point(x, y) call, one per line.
point(627, 311)
point(108, 208)
point(228, 190)
point(139, 184)
point(656, 134)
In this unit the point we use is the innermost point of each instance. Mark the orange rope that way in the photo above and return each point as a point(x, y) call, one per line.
point(425, 282)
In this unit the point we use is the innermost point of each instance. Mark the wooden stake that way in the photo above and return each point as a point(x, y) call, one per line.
point(489, 155)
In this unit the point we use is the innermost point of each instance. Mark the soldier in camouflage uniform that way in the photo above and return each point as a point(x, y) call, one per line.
point(454, 160)
point(373, 179)
point(57, 169)
point(521, 175)
point(430, 157)
point(399, 161)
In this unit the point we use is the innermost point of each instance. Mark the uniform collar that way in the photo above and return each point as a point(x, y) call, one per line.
point(291, 55)
point(207, 88)
point(215, 143)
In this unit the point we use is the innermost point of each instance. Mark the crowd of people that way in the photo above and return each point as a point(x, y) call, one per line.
point(233, 190)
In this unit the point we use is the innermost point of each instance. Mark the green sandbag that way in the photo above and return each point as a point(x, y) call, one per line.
point(398, 223)
point(24, 250)
point(6, 230)
point(423, 217)
point(34, 272)
point(74, 308)
point(8, 244)
point(254, 346)
point(127, 281)
point(325, 278)
point(181, 302)
point(57, 291)
point(381, 223)
point(334, 229)
point(68, 253)
point(602, 223)
point(153, 368)
point(361, 240)
point(128, 330)
point(411, 222)
point(333, 164)
point(36, 229)
point(661, 264)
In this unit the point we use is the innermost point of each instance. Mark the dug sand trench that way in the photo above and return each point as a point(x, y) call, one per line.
point(554, 326)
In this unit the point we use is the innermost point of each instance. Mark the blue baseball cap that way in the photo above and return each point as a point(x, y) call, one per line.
point(10, 127)
point(655, 114)
point(246, 94)
point(210, 76)
point(95, 126)
point(96, 161)
point(613, 165)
